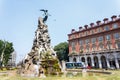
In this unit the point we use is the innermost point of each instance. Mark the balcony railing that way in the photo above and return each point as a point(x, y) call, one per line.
point(106, 50)
point(92, 52)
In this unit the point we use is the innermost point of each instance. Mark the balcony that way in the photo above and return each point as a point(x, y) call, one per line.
point(106, 51)
point(101, 51)
point(73, 53)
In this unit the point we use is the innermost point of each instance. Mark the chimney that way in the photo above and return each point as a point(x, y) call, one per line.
point(92, 24)
point(98, 23)
point(86, 26)
point(114, 17)
point(73, 30)
point(80, 28)
point(105, 20)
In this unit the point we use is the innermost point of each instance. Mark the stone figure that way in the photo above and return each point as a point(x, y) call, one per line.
point(46, 15)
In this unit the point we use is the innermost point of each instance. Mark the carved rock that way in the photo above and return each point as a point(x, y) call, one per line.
point(41, 45)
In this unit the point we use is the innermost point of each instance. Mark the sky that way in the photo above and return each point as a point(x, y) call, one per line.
point(19, 19)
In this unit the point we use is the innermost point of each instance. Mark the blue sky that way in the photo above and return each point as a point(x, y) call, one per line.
point(19, 19)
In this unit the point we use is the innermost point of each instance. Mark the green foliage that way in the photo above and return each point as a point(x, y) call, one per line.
point(56, 67)
point(50, 63)
point(6, 48)
point(62, 51)
point(46, 56)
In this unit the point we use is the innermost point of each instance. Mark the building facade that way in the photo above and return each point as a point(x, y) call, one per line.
point(97, 45)
point(12, 59)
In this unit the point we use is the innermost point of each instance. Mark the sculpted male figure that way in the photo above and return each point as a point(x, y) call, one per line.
point(46, 15)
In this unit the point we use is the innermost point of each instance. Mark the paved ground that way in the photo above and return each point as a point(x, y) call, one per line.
point(10, 73)
point(90, 70)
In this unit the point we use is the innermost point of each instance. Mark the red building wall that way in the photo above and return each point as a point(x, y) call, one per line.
point(74, 36)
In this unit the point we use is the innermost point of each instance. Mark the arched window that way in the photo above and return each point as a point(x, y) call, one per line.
point(89, 61)
point(118, 58)
point(96, 63)
point(111, 59)
point(83, 59)
point(103, 61)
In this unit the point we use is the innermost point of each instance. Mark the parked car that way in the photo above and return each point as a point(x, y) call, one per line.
point(112, 67)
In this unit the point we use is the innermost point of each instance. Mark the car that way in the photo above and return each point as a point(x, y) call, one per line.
point(112, 67)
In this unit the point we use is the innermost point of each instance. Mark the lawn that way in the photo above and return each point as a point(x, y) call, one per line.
point(114, 76)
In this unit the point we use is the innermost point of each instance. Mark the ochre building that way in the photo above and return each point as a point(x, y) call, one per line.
point(97, 45)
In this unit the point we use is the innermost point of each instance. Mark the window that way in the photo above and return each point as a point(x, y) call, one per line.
point(118, 45)
point(87, 49)
point(86, 33)
point(115, 26)
point(99, 30)
point(92, 31)
point(87, 41)
point(106, 28)
point(109, 46)
point(81, 49)
point(107, 37)
point(93, 40)
point(80, 34)
point(101, 47)
point(73, 45)
point(72, 36)
point(93, 48)
point(81, 42)
point(116, 35)
point(83, 34)
point(100, 38)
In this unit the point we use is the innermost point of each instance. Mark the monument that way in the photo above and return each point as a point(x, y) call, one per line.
point(42, 58)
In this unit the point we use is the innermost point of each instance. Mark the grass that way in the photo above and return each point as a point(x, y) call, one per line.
point(114, 76)
point(49, 78)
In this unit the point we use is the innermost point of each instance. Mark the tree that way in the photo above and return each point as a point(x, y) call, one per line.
point(6, 48)
point(1, 47)
point(62, 51)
